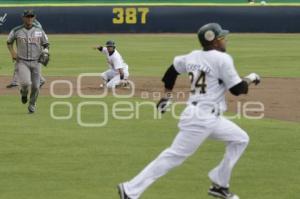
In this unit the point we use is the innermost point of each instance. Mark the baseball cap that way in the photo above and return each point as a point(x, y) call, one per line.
point(28, 13)
point(210, 32)
point(110, 43)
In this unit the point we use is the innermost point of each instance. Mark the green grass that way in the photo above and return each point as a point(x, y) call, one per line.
point(150, 54)
point(46, 158)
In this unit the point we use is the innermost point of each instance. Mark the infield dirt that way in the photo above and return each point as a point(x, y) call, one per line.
point(280, 96)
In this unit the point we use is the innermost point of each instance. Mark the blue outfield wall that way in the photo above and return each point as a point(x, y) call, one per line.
point(152, 19)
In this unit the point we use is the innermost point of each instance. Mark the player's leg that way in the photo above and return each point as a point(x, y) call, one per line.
point(184, 145)
point(191, 135)
point(15, 77)
point(23, 74)
point(14, 81)
point(236, 140)
point(115, 81)
point(42, 80)
point(107, 76)
point(35, 86)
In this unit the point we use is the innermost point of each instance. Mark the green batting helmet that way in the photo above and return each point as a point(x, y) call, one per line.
point(210, 32)
point(110, 43)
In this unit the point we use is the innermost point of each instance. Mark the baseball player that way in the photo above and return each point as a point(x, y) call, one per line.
point(117, 74)
point(32, 50)
point(211, 73)
point(14, 82)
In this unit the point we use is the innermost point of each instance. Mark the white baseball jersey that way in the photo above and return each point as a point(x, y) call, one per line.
point(114, 61)
point(211, 74)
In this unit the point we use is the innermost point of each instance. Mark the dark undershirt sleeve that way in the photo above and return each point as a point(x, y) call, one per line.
point(100, 48)
point(170, 77)
point(240, 88)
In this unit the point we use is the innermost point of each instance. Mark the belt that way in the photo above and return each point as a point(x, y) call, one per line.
point(28, 59)
point(213, 110)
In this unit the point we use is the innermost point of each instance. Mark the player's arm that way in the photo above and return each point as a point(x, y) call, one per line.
point(169, 80)
point(121, 73)
point(118, 65)
point(243, 86)
point(12, 51)
point(45, 41)
point(10, 45)
point(100, 48)
point(44, 56)
point(170, 76)
point(123, 81)
point(46, 46)
point(232, 80)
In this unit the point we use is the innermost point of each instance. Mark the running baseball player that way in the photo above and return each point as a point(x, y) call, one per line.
point(117, 74)
point(32, 51)
point(14, 82)
point(211, 73)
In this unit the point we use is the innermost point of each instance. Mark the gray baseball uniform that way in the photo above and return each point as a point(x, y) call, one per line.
point(15, 76)
point(30, 43)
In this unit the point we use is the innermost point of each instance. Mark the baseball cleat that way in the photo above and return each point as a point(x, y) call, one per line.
point(31, 108)
point(122, 192)
point(124, 85)
point(11, 85)
point(221, 192)
point(24, 98)
point(127, 86)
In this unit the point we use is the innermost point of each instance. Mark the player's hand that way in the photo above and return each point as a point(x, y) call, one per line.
point(254, 78)
point(123, 83)
point(96, 47)
point(14, 57)
point(163, 104)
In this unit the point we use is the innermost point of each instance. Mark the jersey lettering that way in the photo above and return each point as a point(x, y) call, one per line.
point(199, 84)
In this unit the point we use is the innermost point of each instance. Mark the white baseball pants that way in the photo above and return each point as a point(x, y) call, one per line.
point(195, 127)
point(112, 77)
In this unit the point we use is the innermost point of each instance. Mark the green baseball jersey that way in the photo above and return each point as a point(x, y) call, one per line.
point(30, 42)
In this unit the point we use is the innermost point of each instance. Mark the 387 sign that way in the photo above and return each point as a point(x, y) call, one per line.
point(130, 15)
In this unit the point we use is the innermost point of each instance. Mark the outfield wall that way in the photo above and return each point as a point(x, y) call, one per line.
point(152, 19)
point(138, 1)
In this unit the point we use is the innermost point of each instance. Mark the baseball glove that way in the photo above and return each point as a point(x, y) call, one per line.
point(44, 58)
